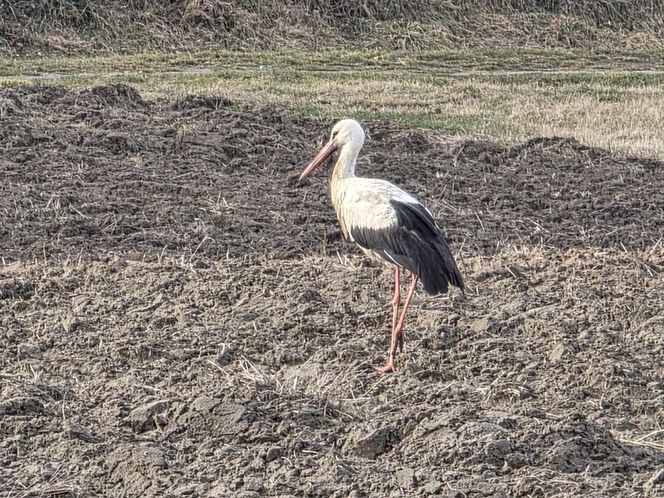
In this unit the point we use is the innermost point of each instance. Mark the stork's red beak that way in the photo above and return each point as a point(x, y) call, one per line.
point(320, 158)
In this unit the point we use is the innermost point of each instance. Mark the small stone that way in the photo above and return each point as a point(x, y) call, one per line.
point(144, 418)
point(373, 444)
point(253, 484)
point(557, 353)
point(284, 428)
point(77, 431)
point(482, 325)
point(516, 460)
point(498, 448)
point(204, 404)
point(432, 488)
point(257, 464)
point(184, 490)
point(405, 478)
point(70, 323)
point(272, 454)
point(28, 351)
point(219, 491)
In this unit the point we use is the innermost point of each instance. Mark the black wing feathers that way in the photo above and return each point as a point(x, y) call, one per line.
point(416, 244)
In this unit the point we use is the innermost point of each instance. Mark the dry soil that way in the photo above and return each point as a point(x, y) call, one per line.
point(179, 317)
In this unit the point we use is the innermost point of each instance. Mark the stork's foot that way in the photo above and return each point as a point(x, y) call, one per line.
point(388, 367)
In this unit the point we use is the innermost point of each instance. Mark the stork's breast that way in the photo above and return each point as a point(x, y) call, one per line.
point(363, 203)
point(370, 211)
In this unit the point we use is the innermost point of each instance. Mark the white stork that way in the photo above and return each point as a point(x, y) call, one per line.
point(388, 224)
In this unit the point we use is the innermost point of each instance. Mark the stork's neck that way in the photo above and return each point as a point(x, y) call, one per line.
point(345, 166)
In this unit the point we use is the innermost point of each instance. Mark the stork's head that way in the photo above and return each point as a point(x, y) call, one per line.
point(347, 136)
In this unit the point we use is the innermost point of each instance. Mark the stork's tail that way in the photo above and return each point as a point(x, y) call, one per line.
point(439, 269)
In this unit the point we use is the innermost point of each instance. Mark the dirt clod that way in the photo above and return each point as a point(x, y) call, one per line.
point(373, 444)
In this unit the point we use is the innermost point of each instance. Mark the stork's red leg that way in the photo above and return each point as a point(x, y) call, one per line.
point(396, 299)
point(398, 330)
point(402, 320)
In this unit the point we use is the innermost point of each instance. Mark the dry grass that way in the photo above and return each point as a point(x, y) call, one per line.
point(620, 110)
point(615, 114)
point(625, 120)
point(59, 26)
point(424, 62)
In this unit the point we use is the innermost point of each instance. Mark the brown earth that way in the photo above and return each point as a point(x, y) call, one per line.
point(180, 318)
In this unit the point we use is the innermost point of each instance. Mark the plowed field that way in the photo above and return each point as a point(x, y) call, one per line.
point(180, 317)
